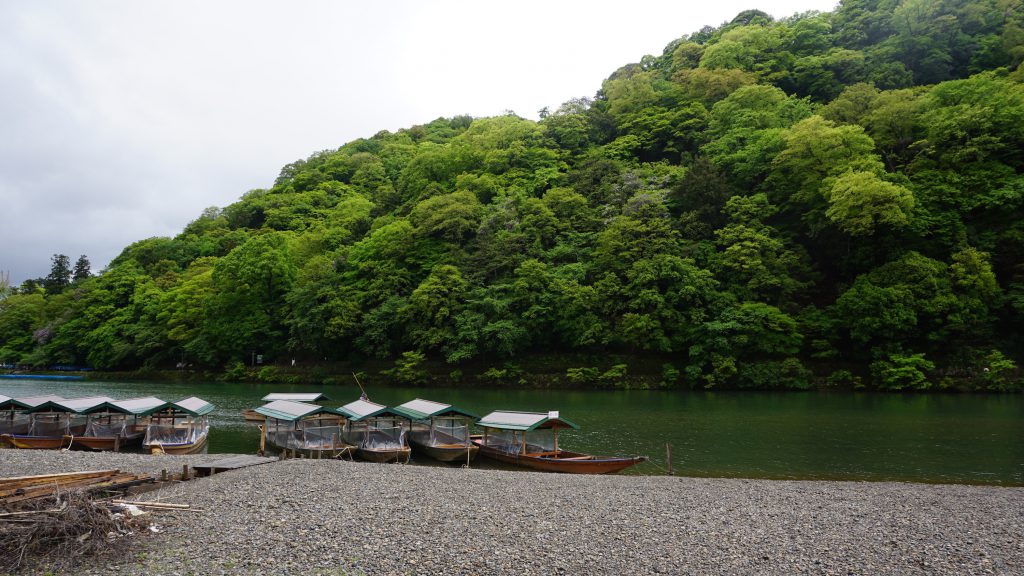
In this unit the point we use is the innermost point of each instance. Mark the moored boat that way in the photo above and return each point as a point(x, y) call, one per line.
point(54, 423)
point(117, 425)
point(251, 415)
point(178, 427)
point(13, 419)
point(300, 428)
point(440, 431)
point(377, 432)
point(530, 439)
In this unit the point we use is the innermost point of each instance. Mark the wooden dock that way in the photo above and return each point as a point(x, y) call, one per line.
point(233, 463)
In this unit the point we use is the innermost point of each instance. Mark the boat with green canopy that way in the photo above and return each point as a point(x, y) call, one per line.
point(377, 432)
point(54, 423)
point(178, 427)
point(308, 429)
point(13, 419)
point(440, 431)
point(117, 424)
point(530, 439)
point(308, 397)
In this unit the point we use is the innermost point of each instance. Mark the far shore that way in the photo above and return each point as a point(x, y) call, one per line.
point(335, 517)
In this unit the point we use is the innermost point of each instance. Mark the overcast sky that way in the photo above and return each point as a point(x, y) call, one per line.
point(122, 120)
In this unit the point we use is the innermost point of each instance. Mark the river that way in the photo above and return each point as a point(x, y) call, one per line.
point(977, 439)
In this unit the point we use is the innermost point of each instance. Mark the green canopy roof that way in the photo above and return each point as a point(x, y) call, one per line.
point(192, 406)
point(143, 406)
point(420, 409)
point(73, 405)
point(525, 420)
point(27, 401)
point(291, 411)
point(363, 409)
point(295, 396)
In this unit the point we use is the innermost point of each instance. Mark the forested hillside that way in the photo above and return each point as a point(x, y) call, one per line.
point(825, 200)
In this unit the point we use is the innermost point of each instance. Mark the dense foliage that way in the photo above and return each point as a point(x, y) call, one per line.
point(829, 199)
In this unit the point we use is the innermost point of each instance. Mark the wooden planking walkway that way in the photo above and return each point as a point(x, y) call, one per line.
point(233, 463)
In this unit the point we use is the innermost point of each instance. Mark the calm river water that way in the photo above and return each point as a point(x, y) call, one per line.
point(801, 435)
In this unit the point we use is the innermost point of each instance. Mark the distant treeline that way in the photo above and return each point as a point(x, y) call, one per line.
point(825, 200)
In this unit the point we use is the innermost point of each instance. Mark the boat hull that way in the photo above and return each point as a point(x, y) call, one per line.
point(253, 416)
point(327, 451)
point(446, 452)
point(185, 448)
point(400, 455)
point(565, 462)
point(106, 443)
point(35, 442)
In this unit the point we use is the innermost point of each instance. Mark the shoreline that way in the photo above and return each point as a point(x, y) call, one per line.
point(335, 517)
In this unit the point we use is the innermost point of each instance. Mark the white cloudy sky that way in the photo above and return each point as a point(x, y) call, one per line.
point(122, 120)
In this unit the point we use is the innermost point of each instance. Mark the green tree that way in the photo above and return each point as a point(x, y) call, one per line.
point(59, 276)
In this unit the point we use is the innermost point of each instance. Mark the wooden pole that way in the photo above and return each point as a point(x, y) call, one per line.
point(668, 457)
point(360, 384)
point(184, 471)
point(556, 440)
point(263, 436)
point(117, 443)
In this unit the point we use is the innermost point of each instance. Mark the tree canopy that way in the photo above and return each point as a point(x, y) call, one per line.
point(829, 199)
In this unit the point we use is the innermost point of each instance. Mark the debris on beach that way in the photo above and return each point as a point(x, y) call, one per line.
point(60, 529)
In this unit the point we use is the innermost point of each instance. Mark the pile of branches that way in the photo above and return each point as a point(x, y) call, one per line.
point(58, 531)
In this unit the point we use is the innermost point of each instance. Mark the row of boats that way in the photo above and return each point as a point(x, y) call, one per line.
point(379, 433)
point(297, 424)
point(103, 423)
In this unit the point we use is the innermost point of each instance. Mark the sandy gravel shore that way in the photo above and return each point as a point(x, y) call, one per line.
point(331, 517)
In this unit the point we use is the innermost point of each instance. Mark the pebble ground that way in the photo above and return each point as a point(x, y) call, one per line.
point(334, 518)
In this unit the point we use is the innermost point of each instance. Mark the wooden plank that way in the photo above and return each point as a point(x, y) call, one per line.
point(48, 477)
point(234, 463)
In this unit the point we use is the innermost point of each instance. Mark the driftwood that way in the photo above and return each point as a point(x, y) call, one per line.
point(57, 531)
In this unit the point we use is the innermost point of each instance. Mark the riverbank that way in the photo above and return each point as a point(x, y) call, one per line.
point(332, 517)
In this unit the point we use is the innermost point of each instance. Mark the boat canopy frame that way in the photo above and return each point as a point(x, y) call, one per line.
point(525, 421)
point(290, 411)
point(420, 409)
point(307, 397)
point(70, 405)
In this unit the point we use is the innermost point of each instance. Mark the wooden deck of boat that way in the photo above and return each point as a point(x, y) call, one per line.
point(232, 463)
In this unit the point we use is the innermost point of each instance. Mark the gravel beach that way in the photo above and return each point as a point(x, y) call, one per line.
point(333, 517)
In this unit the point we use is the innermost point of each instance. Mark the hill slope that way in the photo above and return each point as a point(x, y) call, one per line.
point(830, 199)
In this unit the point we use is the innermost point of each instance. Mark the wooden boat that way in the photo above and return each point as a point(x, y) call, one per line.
point(178, 427)
point(13, 419)
point(27, 442)
point(530, 440)
point(440, 431)
point(251, 415)
point(377, 432)
point(300, 428)
point(54, 423)
point(116, 425)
